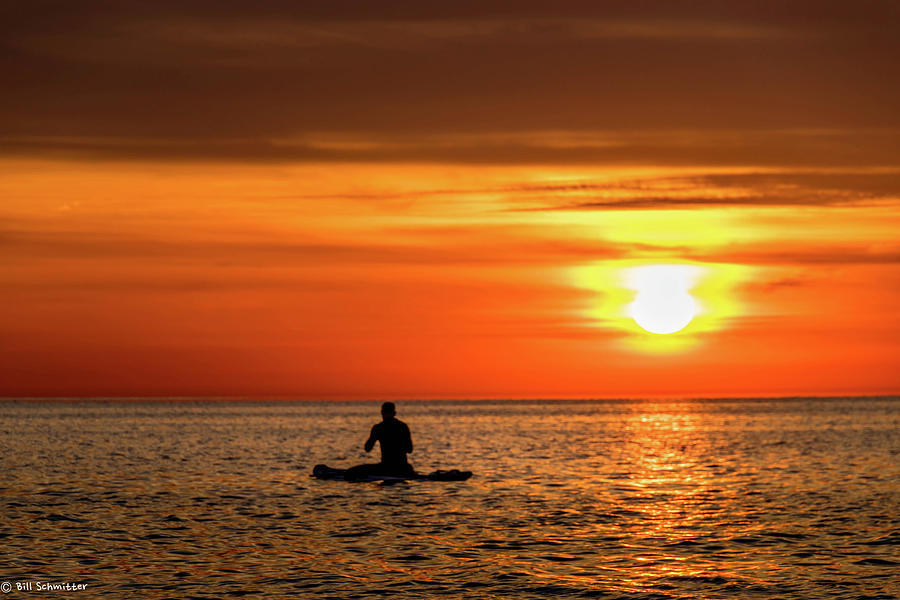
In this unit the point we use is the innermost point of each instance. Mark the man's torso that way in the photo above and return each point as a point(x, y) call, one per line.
point(393, 436)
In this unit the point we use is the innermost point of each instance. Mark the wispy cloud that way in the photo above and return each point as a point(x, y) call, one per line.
point(468, 246)
point(839, 187)
point(266, 42)
point(472, 246)
point(809, 255)
point(774, 148)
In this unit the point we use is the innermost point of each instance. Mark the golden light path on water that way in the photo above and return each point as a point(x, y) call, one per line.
point(672, 487)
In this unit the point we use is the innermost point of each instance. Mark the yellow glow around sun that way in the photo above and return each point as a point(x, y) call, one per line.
point(647, 301)
point(663, 304)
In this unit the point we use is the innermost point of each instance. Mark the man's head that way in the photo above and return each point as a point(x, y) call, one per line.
point(388, 410)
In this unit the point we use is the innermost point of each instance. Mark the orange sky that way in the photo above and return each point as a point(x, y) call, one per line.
point(207, 199)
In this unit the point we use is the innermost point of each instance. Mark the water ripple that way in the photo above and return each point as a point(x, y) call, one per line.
point(726, 499)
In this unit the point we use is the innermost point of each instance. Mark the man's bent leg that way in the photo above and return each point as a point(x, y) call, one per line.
point(362, 472)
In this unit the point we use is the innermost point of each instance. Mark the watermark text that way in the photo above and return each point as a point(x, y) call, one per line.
point(41, 586)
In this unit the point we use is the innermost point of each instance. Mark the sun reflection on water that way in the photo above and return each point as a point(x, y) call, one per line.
point(675, 492)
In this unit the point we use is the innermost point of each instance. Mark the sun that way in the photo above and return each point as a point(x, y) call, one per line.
point(663, 304)
point(663, 308)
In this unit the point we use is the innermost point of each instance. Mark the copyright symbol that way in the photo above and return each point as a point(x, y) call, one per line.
point(6, 587)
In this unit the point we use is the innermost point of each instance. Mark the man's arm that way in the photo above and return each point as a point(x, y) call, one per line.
point(370, 443)
point(408, 440)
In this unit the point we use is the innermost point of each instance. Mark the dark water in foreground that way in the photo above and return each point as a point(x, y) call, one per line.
point(702, 499)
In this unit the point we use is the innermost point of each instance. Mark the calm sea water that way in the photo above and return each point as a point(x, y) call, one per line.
point(696, 499)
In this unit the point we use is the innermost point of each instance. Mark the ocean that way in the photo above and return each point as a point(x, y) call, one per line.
point(720, 498)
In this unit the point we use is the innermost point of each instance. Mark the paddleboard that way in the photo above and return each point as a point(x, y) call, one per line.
point(326, 472)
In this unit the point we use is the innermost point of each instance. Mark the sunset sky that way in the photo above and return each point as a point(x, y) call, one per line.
point(447, 200)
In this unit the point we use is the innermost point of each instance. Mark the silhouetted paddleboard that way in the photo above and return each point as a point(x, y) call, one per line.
point(326, 472)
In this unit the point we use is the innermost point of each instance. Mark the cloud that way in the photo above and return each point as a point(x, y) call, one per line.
point(839, 187)
point(776, 148)
point(777, 284)
point(200, 80)
point(260, 41)
point(470, 247)
point(664, 203)
point(810, 256)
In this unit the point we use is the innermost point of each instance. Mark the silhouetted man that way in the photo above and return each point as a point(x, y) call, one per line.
point(393, 436)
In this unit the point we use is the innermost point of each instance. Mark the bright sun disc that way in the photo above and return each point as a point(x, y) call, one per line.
point(663, 304)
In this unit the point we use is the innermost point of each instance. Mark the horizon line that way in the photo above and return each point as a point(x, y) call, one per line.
point(294, 399)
